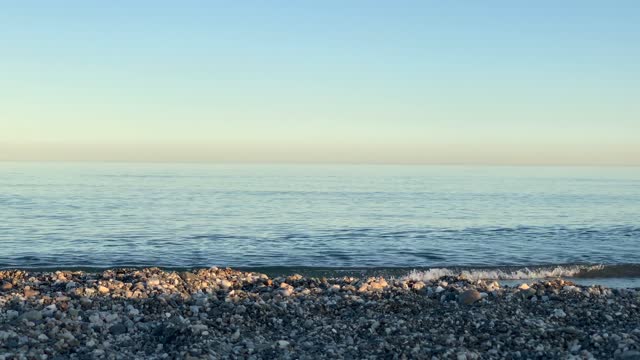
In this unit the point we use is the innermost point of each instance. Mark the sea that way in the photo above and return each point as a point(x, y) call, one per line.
point(488, 222)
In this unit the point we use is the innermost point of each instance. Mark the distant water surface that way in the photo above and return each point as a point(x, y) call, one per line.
point(189, 215)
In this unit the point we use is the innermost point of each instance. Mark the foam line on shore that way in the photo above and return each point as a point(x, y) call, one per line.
point(505, 274)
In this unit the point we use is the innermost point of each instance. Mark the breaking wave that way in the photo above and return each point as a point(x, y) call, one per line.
point(540, 272)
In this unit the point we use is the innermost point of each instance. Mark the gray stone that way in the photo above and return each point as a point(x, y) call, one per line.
point(118, 329)
point(188, 276)
point(469, 297)
point(32, 315)
point(12, 314)
point(630, 355)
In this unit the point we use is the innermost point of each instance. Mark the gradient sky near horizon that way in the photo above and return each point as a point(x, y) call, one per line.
point(497, 82)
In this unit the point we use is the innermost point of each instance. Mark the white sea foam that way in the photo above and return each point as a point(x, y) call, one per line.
point(502, 274)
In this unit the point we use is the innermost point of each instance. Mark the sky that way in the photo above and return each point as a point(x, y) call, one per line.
point(433, 82)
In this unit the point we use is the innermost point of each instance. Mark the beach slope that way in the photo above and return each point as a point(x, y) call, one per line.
point(223, 313)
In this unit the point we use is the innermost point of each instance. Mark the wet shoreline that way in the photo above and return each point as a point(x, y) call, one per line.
point(609, 275)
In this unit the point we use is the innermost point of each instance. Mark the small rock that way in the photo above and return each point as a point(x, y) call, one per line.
point(12, 314)
point(188, 276)
point(28, 292)
point(6, 286)
point(132, 311)
point(118, 329)
point(630, 355)
point(32, 315)
point(199, 328)
point(418, 286)
point(558, 313)
point(469, 297)
point(226, 284)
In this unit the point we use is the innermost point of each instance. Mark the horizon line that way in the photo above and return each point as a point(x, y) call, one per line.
point(318, 163)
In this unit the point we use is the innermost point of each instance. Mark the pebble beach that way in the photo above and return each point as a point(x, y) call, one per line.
point(227, 314)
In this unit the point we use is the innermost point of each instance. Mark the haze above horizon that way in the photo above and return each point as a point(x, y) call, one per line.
point(413, 82)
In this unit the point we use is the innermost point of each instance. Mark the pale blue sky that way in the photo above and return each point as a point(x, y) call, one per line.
point(328, 81)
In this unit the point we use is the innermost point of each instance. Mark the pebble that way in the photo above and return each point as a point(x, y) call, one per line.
point(28, 292)
point(223, 313)
point(226, 284)
point(198, 328)
point(630, 355)
point(469, 296)
point(118, 329)
point(418, 286)
point(32, 315)
point(6, 286)
point(559, 313)
point(12, 314)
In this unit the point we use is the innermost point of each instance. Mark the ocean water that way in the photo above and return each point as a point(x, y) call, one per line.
point(95, 215)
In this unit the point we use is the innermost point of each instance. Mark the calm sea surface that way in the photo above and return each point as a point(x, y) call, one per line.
point(186, 215)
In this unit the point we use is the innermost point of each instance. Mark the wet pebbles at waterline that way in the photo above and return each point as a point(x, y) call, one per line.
point(223, 313)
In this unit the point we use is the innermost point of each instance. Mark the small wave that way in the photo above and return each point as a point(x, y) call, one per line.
point(508, 273)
